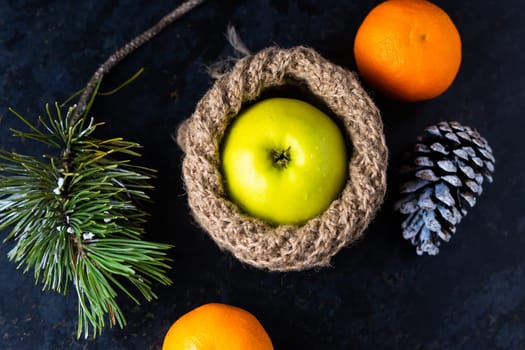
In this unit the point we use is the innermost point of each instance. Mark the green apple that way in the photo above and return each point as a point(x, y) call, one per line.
point(283, 161)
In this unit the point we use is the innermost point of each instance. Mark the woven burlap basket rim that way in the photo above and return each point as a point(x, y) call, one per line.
point(286, 247)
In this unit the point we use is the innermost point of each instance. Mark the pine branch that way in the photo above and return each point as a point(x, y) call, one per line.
point(74, 218)
point(73, 215)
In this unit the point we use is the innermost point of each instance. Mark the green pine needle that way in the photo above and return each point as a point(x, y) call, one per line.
point(73, 217)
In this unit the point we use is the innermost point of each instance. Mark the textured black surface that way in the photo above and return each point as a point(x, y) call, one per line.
point(378, 294)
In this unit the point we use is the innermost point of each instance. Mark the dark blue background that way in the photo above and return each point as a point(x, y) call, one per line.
point(378, 294)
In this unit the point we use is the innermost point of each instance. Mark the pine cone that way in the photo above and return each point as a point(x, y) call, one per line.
point(445, 175)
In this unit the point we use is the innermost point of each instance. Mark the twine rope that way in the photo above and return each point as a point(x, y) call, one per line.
point(285, 247)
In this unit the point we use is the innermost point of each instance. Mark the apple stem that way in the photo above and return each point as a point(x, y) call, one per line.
point(281, 158)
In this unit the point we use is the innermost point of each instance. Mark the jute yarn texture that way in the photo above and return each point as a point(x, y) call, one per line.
point(285, 247)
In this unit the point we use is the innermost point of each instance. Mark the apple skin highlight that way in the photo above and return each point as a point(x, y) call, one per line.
point(283, 161)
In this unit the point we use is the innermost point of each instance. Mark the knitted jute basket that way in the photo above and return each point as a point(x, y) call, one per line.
point(285, 247)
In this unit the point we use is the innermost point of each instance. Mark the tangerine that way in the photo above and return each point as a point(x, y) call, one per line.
point(219, 327)
point(409, 50)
